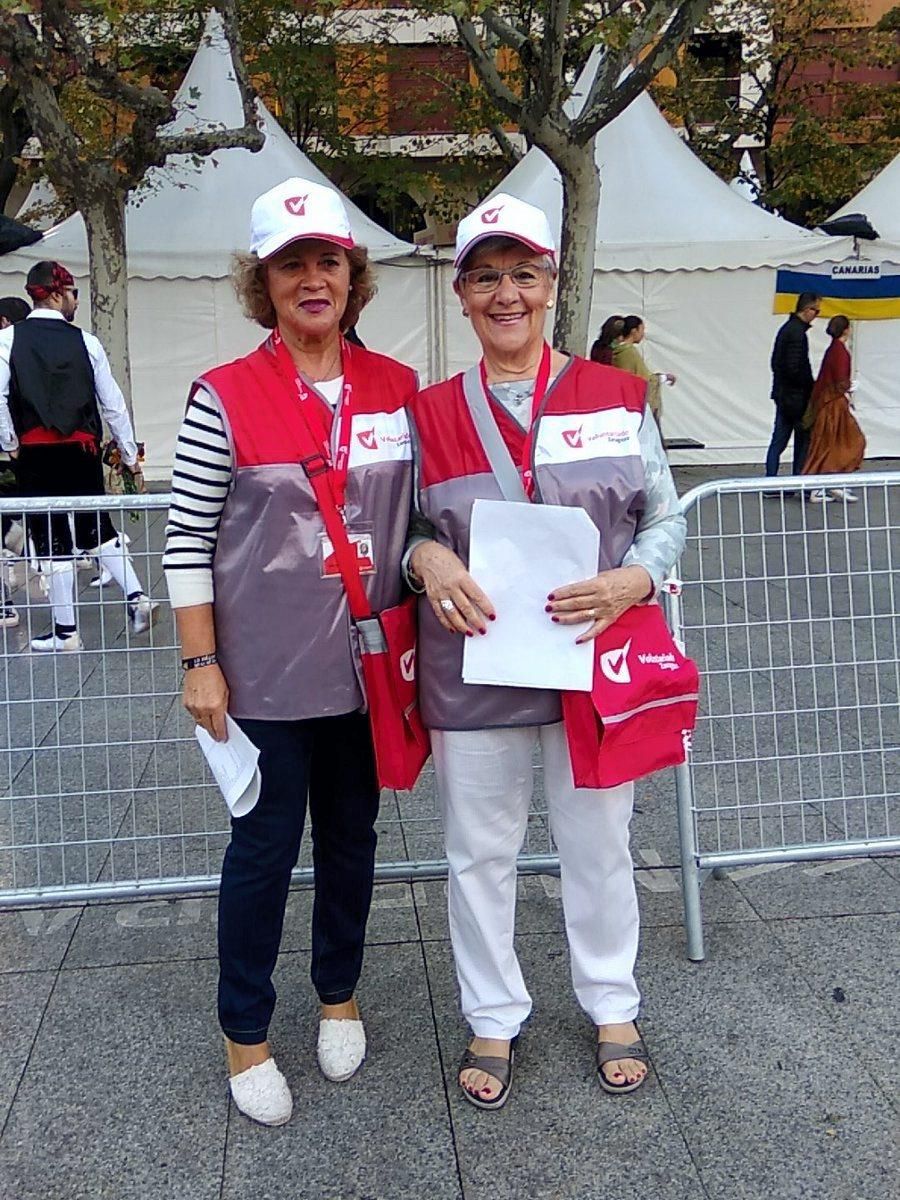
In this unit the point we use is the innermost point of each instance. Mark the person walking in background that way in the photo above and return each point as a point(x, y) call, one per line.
point(837, 444)
point(627, 357)
point(56, 389)
point(610, 332)
point(12, 310)
point(792, 384)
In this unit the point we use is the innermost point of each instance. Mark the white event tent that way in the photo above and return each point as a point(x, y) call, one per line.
point(182, 227)
point(876, 344)
point(678, 246)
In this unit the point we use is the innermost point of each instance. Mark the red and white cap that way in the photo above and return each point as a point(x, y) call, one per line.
point(504, 216)
point(297, 209)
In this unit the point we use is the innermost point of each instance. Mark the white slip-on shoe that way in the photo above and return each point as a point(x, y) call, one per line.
point(51, 642)
point(262, 1094)
point(341, 1048)
point(844, 494)
point(142, 613)
point(820, 496)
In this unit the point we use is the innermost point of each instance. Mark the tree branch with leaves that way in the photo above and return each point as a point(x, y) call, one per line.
point(638, 40)
point(48, 56)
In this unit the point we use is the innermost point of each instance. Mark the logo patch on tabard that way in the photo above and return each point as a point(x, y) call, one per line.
point(572, 437)
point(296, 205)
point(614, 664)
point(408, 665)
point(491, 216)
point(367, 439)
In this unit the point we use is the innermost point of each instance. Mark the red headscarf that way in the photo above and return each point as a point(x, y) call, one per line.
point(59, 280)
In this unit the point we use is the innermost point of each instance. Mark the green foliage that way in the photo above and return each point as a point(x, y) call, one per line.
point(816, 134)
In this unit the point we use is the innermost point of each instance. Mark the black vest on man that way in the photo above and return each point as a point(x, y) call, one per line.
point(52, 380)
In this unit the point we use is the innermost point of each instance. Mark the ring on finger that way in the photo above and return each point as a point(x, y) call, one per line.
point(592, 613)
point(447, 605)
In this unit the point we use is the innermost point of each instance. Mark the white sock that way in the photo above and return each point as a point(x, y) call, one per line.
point(117, 560)
point(61, 586)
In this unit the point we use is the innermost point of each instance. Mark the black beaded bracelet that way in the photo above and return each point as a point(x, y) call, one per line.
point(201, 660)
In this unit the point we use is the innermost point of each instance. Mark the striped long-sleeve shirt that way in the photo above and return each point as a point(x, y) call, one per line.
point(200, 482)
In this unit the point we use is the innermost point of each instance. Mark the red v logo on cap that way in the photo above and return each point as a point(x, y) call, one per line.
point(490, 216)
point(296, 205)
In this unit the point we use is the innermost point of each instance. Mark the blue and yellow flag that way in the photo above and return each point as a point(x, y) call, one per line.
point(860, 290)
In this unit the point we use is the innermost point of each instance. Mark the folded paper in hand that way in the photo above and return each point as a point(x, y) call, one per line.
point(235, 766)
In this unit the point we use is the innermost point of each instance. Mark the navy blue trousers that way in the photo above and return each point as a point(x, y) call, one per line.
point(786, 426)
point(330, 760)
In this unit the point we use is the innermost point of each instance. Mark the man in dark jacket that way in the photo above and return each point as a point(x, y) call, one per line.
point(792, 383)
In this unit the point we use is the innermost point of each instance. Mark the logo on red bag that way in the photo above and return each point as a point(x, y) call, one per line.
point(408, 665)
point(296, 205)
point(614, 664)
point(490, 216)
point(367, 439)
point(572, 437)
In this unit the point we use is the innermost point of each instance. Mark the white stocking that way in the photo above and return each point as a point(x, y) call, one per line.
point(114, 556)
point(61, 587)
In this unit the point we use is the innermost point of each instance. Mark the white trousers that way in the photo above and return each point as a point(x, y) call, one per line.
point(484, 783)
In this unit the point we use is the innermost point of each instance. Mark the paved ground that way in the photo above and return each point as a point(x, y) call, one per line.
point(775, 1062)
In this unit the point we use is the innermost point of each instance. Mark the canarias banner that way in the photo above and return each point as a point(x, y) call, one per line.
point(860, 290)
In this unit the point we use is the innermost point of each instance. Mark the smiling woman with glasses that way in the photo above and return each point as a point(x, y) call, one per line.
point(482, 280)
point(563, 431)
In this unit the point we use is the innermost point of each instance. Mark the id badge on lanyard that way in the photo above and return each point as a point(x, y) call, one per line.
point(540, 390)
point(361, 538)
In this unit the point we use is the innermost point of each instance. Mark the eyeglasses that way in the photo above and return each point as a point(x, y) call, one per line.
point(487, 279)
point(73, 291)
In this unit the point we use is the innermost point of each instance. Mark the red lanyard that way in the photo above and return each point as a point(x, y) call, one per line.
point(540, 390)
point(316, 412)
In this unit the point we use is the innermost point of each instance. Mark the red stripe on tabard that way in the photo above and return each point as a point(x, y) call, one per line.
point(381, 384)
point(593, 387)
point(449, 444)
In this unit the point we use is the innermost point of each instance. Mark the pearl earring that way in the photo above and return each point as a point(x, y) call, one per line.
point(549, 303)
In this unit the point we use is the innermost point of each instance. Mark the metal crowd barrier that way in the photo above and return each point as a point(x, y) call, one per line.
point(792, 610)
point(103, 790)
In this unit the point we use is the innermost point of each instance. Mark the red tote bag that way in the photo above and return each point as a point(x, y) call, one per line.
point(643, 706)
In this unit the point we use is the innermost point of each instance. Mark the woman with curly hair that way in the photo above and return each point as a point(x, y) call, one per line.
point(263, 617)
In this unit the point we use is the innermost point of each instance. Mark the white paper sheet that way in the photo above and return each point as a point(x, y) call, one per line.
point(235, 766)
point(519, 554)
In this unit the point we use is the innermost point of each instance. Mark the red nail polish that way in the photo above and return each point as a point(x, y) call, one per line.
point(482, 631)
point(469, 633)
point(492, 617)
point(547, 608)
point(556, 619)
point(551, 597)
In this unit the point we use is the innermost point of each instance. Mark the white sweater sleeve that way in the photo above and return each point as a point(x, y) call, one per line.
point(201, 478)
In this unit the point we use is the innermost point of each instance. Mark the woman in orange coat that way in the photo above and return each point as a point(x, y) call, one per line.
point(837, 444)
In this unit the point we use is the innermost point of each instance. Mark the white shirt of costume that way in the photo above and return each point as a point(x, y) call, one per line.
point(110, 400)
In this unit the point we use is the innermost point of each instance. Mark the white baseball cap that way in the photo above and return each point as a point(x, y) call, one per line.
point(504, 216)
point(296, 209)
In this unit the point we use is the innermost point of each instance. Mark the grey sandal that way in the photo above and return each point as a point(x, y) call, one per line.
point(500, 1068)
point(613, 1051)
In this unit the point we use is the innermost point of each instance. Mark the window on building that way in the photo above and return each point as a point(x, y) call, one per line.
point(717, 62)
point(421, 94)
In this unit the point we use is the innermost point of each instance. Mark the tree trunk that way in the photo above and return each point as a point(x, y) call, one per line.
point(581, 201)
point(104, 218)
